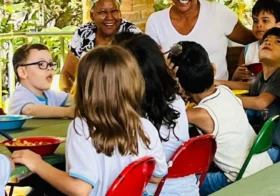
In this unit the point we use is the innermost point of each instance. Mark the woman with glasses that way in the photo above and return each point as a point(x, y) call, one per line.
point(210, 24)
point(107, 22)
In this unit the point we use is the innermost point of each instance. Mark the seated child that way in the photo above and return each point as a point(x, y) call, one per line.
point(266, 15)
point(108, 133)
point(220, 113)
point(6, 168)
point(35, 69)
point(264, 92)
point(162, 105)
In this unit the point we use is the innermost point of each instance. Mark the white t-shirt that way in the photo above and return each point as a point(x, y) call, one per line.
point(99, 170)
point(176, 186)
point(214, 23)
point(251, 53)
point(5, 172)
point(22, 96)
point(234, 134)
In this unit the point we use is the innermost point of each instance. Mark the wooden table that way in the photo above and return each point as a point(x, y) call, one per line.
point(263, 183)
point(39, 127)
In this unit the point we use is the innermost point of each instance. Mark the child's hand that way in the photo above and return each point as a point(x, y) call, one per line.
point(28, 158)
point(171, 67)
point(242, 73)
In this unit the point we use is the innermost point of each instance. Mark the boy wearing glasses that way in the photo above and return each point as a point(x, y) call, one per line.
point(35, 69)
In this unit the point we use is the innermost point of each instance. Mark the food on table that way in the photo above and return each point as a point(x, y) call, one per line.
point(26, 143)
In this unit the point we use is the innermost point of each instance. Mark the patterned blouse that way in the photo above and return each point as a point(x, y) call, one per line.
point(83, 39)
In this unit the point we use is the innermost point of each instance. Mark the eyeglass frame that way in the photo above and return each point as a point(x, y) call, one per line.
point(49, 64)
point(103, 14)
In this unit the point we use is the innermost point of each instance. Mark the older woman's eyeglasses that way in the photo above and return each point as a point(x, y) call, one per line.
point(104, 14)
point(43, 65)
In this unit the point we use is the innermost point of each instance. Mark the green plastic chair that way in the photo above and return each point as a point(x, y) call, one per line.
point(263, 142)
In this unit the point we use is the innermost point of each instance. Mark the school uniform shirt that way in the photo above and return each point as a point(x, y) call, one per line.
point(251, 53)
point(23, 96)
point(215, 22)
point(99, 170)
point(176, 186)
point(272, 86)
point(83, 39)
point(5, 172)
point(234, 135)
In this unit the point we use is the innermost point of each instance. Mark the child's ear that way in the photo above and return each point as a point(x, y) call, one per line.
point(21, 71)
point(278, 24)
point(214, 67)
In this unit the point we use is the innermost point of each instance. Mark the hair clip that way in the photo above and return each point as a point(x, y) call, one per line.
point(175, 50)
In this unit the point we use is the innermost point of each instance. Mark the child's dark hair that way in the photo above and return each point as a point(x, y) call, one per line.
point(22, 53)
point(161, 87)
point(273, 31)
point(270, 6)
point(196, 73)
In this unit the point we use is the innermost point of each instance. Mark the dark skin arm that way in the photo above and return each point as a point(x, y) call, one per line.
point(241, 34)
point(68, 73)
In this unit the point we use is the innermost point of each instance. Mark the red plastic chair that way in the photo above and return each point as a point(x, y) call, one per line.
point(134, 178)
point(193, 157)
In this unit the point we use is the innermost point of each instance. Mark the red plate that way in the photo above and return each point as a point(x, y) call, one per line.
point(44, 149)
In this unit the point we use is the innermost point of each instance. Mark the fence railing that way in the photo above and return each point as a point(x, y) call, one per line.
point(10, 37)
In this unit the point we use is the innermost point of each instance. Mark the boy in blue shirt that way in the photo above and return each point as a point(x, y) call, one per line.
point(34, 68)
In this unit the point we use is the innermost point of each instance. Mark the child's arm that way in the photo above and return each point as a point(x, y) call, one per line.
point(233, 85)
point(57, 178)
point(260, 102)
point(45, 111)
point(201, 119)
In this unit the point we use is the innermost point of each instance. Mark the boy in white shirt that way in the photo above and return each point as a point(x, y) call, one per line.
point(6, 168)
point(34, 68)
point(220, 113)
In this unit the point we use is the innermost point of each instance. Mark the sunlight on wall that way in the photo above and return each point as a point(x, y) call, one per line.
point(55, 83)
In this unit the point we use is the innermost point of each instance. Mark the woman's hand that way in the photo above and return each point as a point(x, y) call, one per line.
point(28, 158)
point(242, 73)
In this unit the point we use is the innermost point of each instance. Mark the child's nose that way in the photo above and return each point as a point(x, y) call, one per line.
point(267, 43)
point(259, 25)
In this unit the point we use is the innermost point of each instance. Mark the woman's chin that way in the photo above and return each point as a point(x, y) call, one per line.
point(183, 6)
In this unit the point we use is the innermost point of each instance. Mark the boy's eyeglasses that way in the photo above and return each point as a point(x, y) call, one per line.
point(43, 65)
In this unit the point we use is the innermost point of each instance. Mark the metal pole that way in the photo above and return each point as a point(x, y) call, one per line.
point(61, 55)
point(11, 72)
